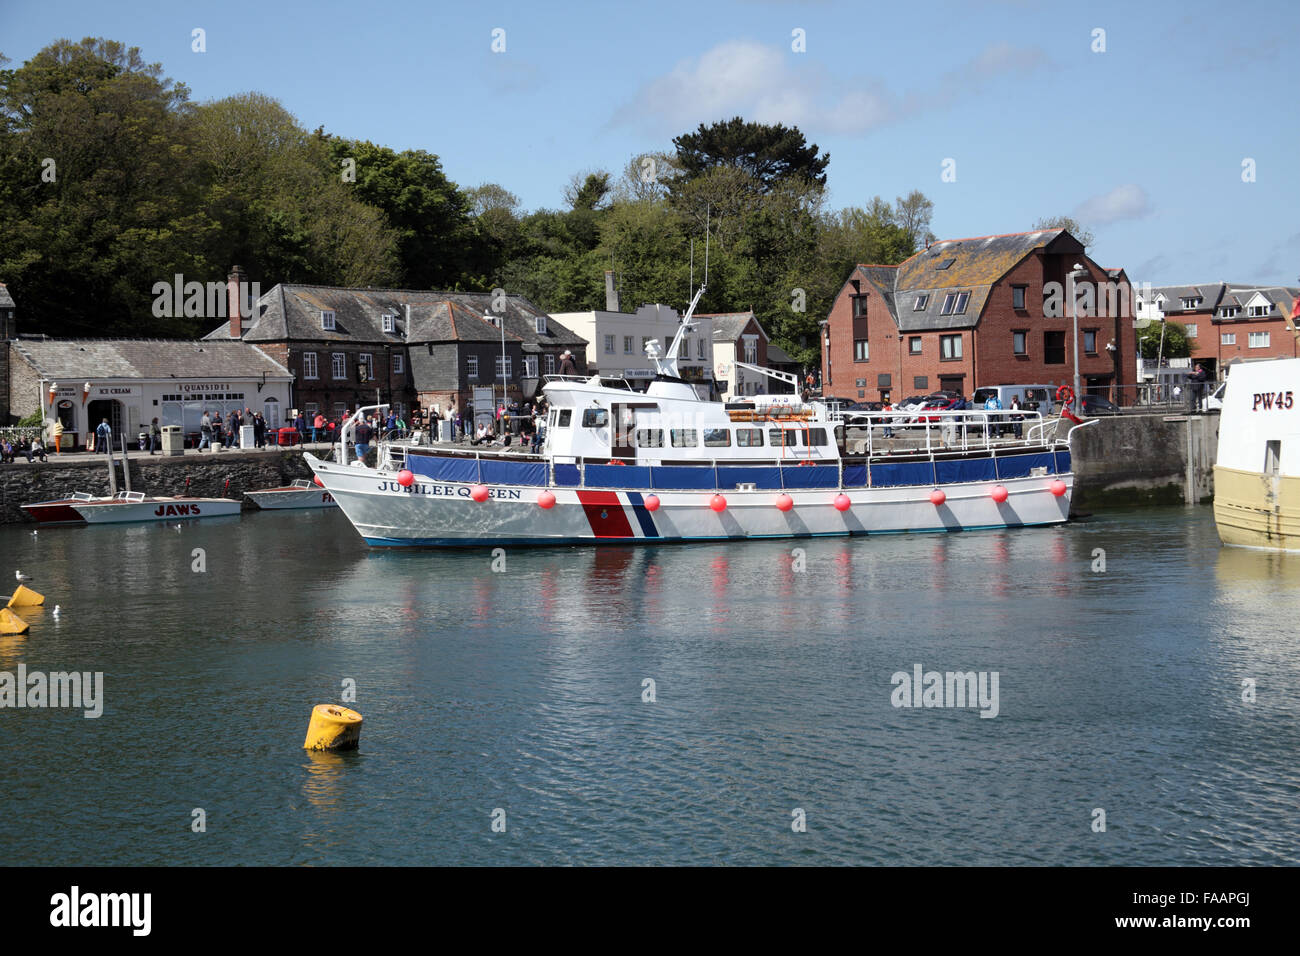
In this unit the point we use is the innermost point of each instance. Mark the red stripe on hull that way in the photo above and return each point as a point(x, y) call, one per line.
point(605, 515)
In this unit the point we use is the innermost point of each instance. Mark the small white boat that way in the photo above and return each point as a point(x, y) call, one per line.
point(301, 494)
point(137, 506)
point(1257, 473)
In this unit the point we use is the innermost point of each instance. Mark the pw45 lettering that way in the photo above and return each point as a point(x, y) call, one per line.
point(1270, 400)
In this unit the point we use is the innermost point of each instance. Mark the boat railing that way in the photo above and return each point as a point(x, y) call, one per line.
point(607, 381)
point(939, 430)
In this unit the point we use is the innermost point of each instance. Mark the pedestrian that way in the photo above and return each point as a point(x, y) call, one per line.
point(467, 421)
point(103, 438)
point(362, 435)
point(889, 432)
point(992, 408)
point(317, 426)
point(1198, 387)
point(449, 421)
point(205, 431)
point(155, 437)
point(259, 430)
point(567, 366)
point(1017, 416)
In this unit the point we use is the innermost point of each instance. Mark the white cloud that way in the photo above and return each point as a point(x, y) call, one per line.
point(1123, 202)
point(766, 84)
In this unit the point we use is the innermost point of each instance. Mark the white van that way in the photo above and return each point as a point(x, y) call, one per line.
point(1033, 398)
point(1215, 402)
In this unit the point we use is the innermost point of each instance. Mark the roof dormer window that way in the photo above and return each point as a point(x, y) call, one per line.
point(1192, 302)
point(541, 325)
point(327, 320)
point(390, 322)
point(921, 302)
point(1229, 312)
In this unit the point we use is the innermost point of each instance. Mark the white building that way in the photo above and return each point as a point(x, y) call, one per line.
point(617, 340)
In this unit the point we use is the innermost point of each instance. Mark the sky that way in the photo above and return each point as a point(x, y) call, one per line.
point(1170, 129)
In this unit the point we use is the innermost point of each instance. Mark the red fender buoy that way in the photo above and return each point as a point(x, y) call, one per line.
point(937, 497)
point(842, 502)
point(718, 503)
point(479, 493)
point(545, 500)
point(652, 503)
point(1057, 487)
point(405, 478)
point(998, 494)
point(784, 503)
point(319, 483)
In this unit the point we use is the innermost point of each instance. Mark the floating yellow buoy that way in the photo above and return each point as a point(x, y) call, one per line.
point(11, 623)
point(333, 728)
point(26, 597)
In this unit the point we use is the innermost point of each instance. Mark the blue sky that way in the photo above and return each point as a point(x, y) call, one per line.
point(1144, 142)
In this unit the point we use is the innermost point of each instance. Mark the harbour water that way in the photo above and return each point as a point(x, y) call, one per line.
point(519, 695)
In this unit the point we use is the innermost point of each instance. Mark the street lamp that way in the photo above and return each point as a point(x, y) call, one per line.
point(1078, 270)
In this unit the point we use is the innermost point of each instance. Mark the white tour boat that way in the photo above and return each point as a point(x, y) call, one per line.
point(137, 506)
point(626, 467)
point(1257, 473)
point(300, 494)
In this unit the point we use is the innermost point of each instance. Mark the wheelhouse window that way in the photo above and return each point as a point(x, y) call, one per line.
point(817, 437)
point(565, 419)
point(782, 437)
point(717, 438)
point(648, 438)
point(949, 348)
point(684, 437)
point(595, 417)
point(749, 437)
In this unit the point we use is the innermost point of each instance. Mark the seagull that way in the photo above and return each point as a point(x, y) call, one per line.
point(178, 527)
point(35, 533)
point(55, 612)
point(22, 578)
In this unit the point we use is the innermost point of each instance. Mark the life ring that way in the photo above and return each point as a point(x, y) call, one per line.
point(1065, 395)
point(617, 461)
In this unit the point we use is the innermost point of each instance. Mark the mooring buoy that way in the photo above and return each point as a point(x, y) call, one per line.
point(333, 728)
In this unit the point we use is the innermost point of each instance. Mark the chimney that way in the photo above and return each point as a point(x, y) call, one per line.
point(611, 294)
point(235, 283)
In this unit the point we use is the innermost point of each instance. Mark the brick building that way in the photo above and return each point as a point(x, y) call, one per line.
point(991, 310)
point(1226, 322)
point(739, 336)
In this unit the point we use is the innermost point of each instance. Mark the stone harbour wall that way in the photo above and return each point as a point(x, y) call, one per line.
point(207, 473)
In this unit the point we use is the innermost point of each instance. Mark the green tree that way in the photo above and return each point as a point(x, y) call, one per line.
point(1070, 225)
point(1176, 344)
point(769, 154)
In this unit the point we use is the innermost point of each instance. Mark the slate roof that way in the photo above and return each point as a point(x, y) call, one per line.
point(100, 359)
point(727, 326)
point(6, 300)
point(290, 312)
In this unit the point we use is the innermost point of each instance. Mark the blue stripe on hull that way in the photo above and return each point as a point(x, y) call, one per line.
point(642, 513)
point(567, 542)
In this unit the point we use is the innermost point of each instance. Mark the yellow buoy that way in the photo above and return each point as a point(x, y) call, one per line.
point(11, 623)
point(333, 728)
point(26, 597)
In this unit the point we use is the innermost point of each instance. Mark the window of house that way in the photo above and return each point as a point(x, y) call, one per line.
point(628, 343)
point(310, 410)
point(1258, 340)
point(471, 366)
point(1020, 342)
point(751, 349)
point(920, 382)
point(327, 320)
point(859, 306)
point(339, 410)
point(1090, 341)
point(541, 325)
point(530, 366)
point(914, 345)
point(949, 348)
point(717, 438)
point(399, 363)
point(860, 350)
point(609, 345)
point(339, 363)
point(365, 367)
point(390, 322)
point(962, 299)
point(550, 364)
point(1191, 330)
point(921, 302)
point(503, 368)
point(1192, 302)
point(1258, 311)
point(645, 340)
point(1229, 312)
point(1017, 297)
point(1228, 338)
point(648, 438)
point(684, 437)
point(700, 348)
point(749, 437)
point(949, 301)
point(309, 369)
point(1053, 348)
point(595, 417)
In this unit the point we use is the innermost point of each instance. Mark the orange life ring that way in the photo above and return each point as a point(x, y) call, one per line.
point(617, 461)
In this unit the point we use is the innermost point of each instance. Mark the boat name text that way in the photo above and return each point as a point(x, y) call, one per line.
point(1270, 400)
point(448, 491)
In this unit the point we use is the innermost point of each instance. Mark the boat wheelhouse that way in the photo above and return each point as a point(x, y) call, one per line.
point(620, 466)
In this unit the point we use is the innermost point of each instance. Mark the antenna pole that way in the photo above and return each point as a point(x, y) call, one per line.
point(708, 219)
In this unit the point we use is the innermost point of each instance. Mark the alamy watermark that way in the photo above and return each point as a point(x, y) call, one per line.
point(202, 300)
point(38, 690)
point(923, 688)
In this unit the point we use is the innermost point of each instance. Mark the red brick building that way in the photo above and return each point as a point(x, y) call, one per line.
point(1226, 322)
point(964, 313)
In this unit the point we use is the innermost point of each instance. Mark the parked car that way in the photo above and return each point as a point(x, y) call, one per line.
point(1033, 398)
point(1097, 405)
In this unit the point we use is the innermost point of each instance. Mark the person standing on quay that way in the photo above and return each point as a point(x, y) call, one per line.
point(104, 437)
point(205, 431)
point(155, 437)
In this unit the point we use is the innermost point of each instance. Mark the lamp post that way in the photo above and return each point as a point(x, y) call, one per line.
point(1078, 270)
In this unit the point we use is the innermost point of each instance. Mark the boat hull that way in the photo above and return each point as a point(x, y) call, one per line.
point(443, 513)
point(1255, 510)
point(57, 511)
point(273, 499)
point(157, 509)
